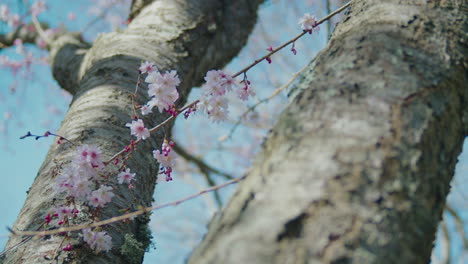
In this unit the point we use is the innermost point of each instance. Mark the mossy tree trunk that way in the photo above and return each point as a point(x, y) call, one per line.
point(192, 37)
point(358, 167)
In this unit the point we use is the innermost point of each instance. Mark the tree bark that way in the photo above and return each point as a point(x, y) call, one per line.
point(189, 36)
point(358, 166)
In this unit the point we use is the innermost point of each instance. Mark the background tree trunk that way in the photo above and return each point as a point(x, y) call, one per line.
point(357, 168)
point(189, 36)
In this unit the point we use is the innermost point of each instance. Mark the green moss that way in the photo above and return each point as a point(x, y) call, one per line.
point(132, 249)
point(135, 246)
point(143, 233)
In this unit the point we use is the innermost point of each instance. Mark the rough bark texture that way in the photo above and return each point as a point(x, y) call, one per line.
point(358, 167)
point(189, 36)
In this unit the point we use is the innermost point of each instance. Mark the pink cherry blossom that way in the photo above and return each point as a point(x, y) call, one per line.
point(217, 83)
point(169, 79)
point(64, 211)
point(37, 7)
point(229, 83)
point(80, 188)
point(167, 160)
point(146, 109)
point(308, 23)
point(101, 196)
point(218, 115)
point(147, 67)
point(14, 20)
point(125, 176)
point(102, 242)
point(162, 97)
point(244, 92)
point(71, 16)
point(89, 154)
point(19, 46)
point(4, 13)
point(98, 241)
point(137, 128)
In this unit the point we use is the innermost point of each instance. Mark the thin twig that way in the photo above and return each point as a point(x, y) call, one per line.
point(328, 7)
point(202, 166)
point(459, 224)
point(291, 41)
point(205, 169)
point(446, 245)
point(125, 216)
point(96, 19)
point(40, 31)
point(253, 107)
point(211, 183)
point(154, 129)
point(24, 240)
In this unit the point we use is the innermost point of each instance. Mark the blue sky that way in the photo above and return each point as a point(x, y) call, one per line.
point(39, 105)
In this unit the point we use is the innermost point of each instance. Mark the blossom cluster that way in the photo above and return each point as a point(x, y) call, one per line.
point(77, 178)
point(162, 88)
point(13, 20)
point(214, 101)
point(97, 241)
point(166, 158)
point(81, 182)
point(308, 23)
point(38, 7)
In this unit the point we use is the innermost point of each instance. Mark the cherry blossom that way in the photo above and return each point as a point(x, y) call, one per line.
point(88, 235)
point(146, 109)
point(217, 83)
point(167, 160)
point(147, 67)
point(80, 187)
point(229, 83)
point(73, 181)
point(102, 242)
point(14, 20)
point(98, 241)
point(101, 196)
point(19, 46)
point(4, 13)
point(64, 212)
point(137, 128)
point(308, 23)
point(162, 97)
point(71, 16)
point(244, 92)
point(214, 76)
point(162, 89)
point(168, 80)
point(37, 7)
point(219, 115)
point(89, 154)
point(125, 176)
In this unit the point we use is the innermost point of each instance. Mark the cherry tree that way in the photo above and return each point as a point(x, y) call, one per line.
point(356, 168)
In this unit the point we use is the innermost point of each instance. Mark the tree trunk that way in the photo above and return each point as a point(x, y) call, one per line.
point(358, 166)
point(189, 36)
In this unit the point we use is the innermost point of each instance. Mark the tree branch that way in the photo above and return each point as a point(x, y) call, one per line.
point(22, 32)
point(202, 166)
